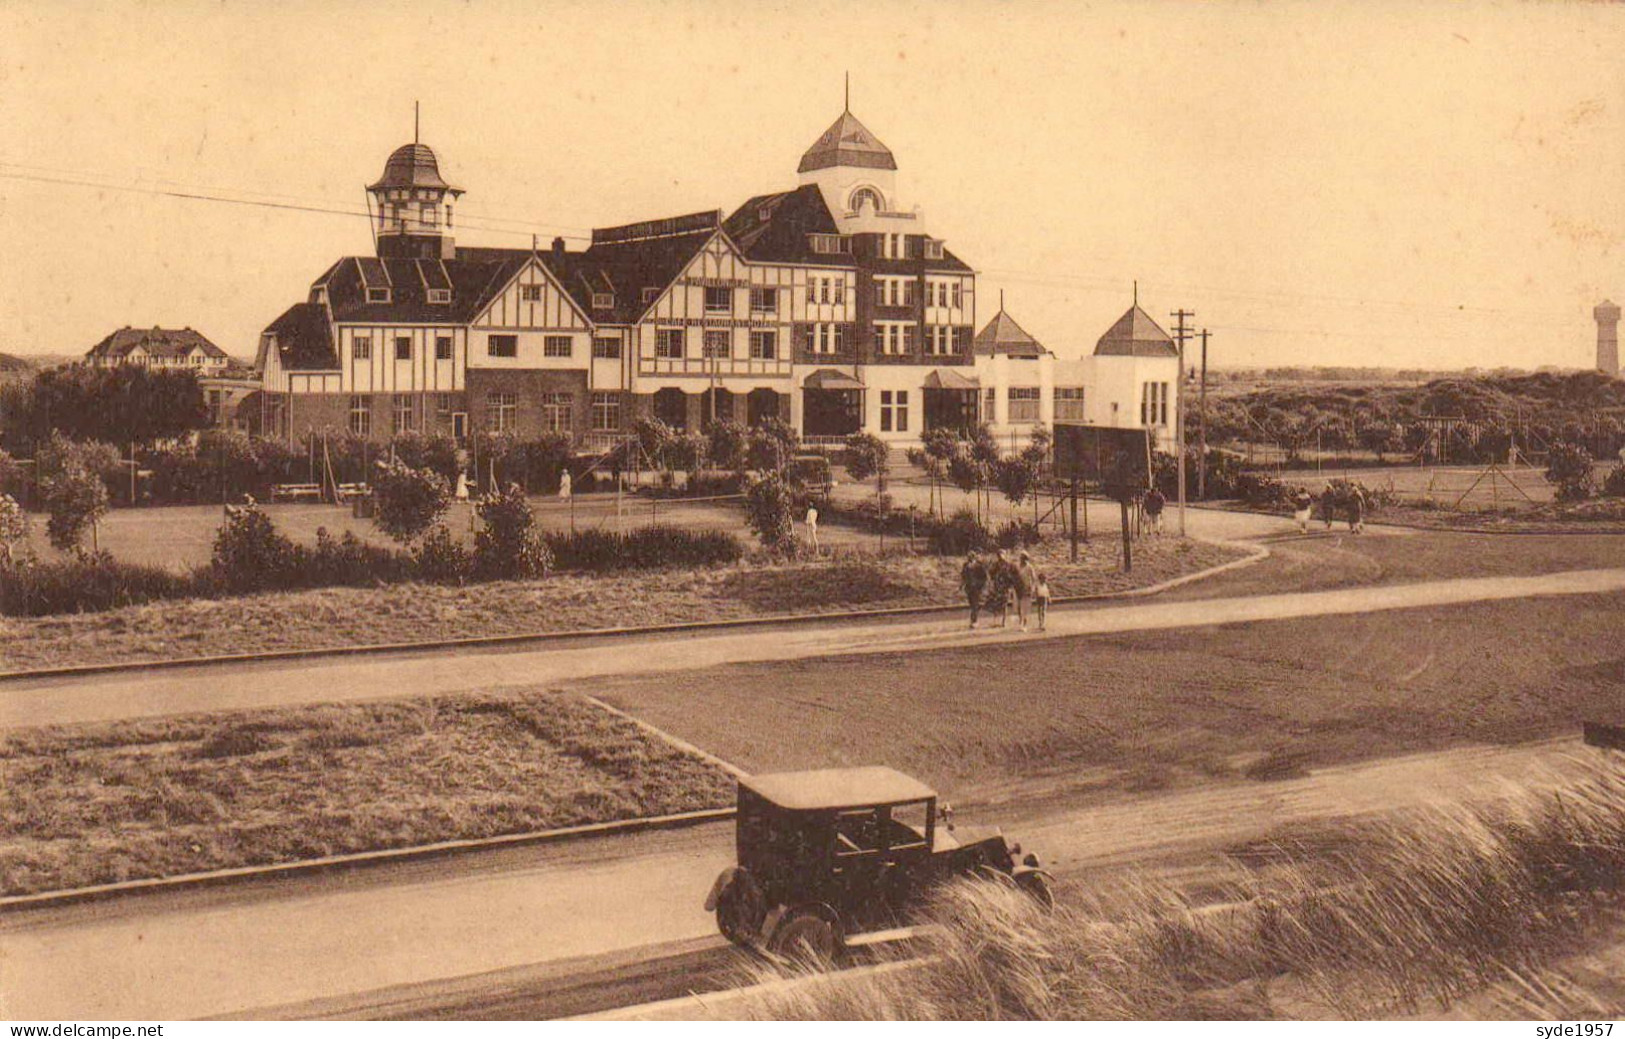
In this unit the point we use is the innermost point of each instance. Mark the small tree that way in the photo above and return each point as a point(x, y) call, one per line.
point(866, 456)
point(75, 498)
point(1016, 478)
point(770, 508)
point(1569, 468)
point(727, 446)
point(654, 438)
point(13, 529)
point(1379, 438)
point(509, 546)
point(938, 446)
point(772, 444)
point(249, 554)
point(409, 500)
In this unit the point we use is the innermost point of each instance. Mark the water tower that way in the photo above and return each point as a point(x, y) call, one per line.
point(1607, 315)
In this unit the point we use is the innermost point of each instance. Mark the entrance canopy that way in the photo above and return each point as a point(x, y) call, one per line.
point(830, 379)
point(947, 379)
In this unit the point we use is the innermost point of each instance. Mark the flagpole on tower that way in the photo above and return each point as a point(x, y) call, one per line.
point(414, 122)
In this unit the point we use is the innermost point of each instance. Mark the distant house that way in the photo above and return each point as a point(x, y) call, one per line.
point(158, 348)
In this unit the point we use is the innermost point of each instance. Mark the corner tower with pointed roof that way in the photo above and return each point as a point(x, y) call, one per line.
point(856, 174)
point(413, 203)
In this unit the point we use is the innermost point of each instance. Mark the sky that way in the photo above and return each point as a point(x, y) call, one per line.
point(1388, 184)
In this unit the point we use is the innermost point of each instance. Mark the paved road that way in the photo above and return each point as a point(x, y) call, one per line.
point(95, 698)
point(416, 938)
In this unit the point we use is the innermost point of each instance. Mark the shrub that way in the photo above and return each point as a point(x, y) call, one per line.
point(1569, 468)
point(75, 498)
point(1259, 490)
point(770, 509)
point(1613, 486)
point(642, 549)
point(408, 500)
point(508, 547)
point(726, 445)
point(1016, 478)
point(443, 559)
point(249, 554)
point(1019, 534)
point(960, 533)
point(13, 530)
point(86, 584)
point(347, 561)
point(773, 443)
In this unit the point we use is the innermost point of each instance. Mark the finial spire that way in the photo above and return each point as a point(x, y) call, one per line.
point(414, 122)
point(1001, 301)
point(1136, 291)
point(849, 91)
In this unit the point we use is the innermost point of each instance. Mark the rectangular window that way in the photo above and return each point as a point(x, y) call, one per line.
point(910, 288)
point(717, 344)
point(959, 290)
point(812, 290)
point(764, 346)
point(502, 345)
point(1154, 404)
point(606, 348)
point(933, 249)
point(719, 301)
point(894, 411)
point(839, 297)
point(361, 348)
point(893, 338)
point(403, 412)
point(606, 412)
point(1069, 403)
point(883, 292)
point(669, 342)
point(439, 295)
point(823, 290)
point(377, 295)
point(403, 348)
point(427, 215)
point(603, 301)
point(556, 411)
point(443, 404)
point(650, 294)
point(557, 346)
point(502, 409)
point(990, 405)
point(764, 301)
point(530, 293)
point(1024, 404)
point(908, 338)
point(360, 417)
point(442, 348)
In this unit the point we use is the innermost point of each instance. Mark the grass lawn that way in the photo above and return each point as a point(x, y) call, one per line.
point(1139, 711)
point(96, 803)
point(565, 602)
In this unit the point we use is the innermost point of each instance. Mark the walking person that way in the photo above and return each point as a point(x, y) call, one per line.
point(1303, 504)
point(1001, 575)
point(1041, 598)
point(461, 493)
point(811, 523)
point(1026, 584)
point(973, 578)
point(1154, 501)
point(1328, 505)
point(1356, 510)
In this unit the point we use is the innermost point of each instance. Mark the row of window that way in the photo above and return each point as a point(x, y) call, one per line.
point(1154, 404)
point(384, 294)
point(895, 291)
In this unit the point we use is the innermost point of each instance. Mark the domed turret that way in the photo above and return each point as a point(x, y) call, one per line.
point(414, 205)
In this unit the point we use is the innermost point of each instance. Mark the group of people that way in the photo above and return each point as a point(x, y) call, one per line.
point(1351, 504)
point(997, 583)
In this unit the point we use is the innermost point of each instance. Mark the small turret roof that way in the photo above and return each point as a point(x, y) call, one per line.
point(412, 166)
point(847, 143)
point(1003, 336)
point(1136, 335)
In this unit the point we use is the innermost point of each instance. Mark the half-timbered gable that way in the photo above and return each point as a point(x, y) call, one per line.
point(531, 322)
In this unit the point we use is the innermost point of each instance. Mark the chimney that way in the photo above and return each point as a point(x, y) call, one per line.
point(558, 247)
point(1607, 315)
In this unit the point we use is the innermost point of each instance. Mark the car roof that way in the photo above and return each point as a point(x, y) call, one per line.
point(838, 788)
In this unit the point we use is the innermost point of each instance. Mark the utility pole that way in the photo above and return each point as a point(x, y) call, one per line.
point(1181, 333)
point(1201, 392)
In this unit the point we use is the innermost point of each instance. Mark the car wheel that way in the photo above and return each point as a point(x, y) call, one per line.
point(740, 911)
point(805, 937)
point(1037, 887)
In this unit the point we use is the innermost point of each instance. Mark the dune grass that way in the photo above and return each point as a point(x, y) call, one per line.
point(1469, 907)
point(103, 802)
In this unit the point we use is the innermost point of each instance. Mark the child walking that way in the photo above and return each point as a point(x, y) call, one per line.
point(1041, 598)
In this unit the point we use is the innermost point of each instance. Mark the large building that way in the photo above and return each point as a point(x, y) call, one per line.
point(158, 348)
point(829, 305)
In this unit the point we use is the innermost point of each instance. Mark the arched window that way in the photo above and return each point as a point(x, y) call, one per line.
point(869, 195)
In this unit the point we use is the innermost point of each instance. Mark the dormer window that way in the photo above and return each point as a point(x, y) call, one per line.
point(933, 249)
point(603, 301)
point(439, 295)
point(830, 243)
point(377, 295)
point(650, 294)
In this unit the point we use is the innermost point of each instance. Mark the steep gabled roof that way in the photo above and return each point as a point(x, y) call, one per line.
point(474, 277)
point(1136, 335)
point(155, 342)
point(304, 339)
point(847, 143)
point(1002, 336)
point(775, 228)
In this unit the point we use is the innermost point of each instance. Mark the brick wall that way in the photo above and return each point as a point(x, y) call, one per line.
point(528, 387)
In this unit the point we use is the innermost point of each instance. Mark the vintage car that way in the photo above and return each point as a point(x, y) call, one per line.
point(833, 852)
